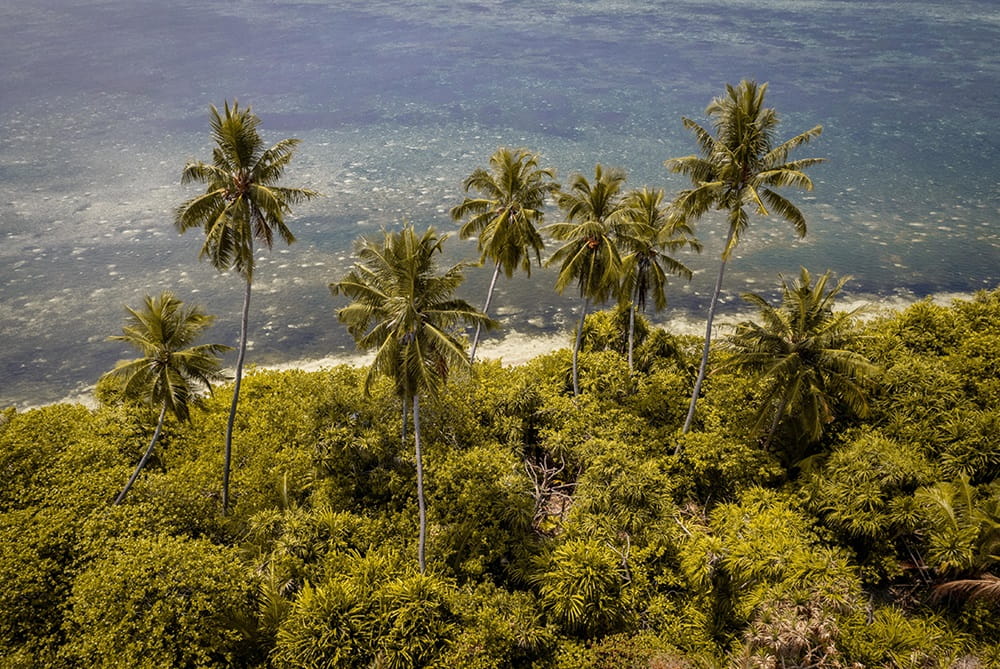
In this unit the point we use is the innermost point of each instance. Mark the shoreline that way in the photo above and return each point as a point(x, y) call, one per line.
point(517, 348)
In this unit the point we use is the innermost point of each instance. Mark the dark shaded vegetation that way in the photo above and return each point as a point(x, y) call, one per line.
point(562, 531)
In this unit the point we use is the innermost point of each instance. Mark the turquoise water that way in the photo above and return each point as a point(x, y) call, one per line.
point(102, 102)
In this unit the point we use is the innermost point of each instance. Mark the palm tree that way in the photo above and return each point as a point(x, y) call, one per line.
point(405, 310)
point(504, 217)
point(594, 215)
point(739, 168)
point(962, 531)
point(168, 373)
point(646, 264)
point(802, 349)
point(241, 205)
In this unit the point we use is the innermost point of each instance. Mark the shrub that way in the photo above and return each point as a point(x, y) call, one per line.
point(374, 611)
point(36, 563)
point(157, 601)
point(715, 468)
point(498, 630)
point(480, 510)
point(581, 585)
point(861, 491)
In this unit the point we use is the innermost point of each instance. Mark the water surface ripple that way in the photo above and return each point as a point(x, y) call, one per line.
point(103, 101)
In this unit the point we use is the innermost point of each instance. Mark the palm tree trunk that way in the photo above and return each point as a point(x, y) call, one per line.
point(420, 485)
point(786, 398)
point(228, 454)
point(144, 458)
point(486, 307)
point(404, 421)
point(778, 415)
point(576, 349)
point(708, 338)
point(631, 326)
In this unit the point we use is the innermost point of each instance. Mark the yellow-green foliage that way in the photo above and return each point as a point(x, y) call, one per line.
point(583, 586)
point(626, 651)
point(375, 611)
point(864, 489)
point(36, 564)
point(499, 629)
point(962, 525)
point(563, 532)
point(157, 601)
point(718, 467)
point(621, 494)
point(891, 638)
point(30, 444)
point(480, 510)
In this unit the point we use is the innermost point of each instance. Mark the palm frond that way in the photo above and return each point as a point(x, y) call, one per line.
point(170, 369)
point(243, 201)
point(801, 350)
point(985, 587)
point(739, 164)
point(403, 307)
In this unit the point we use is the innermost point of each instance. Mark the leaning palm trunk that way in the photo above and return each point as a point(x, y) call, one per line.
point(486, 308)
point(708, 337)
point(576, 349)
point(778, 415)
point(228, 455)
point(422, 509)
point(631, 326)
point(145, 456)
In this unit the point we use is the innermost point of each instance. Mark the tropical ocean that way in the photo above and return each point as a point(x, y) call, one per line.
point(103, 101)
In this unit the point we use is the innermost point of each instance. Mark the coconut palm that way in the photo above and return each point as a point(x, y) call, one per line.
point(803, 351)
point(242, 205)
point(962, 529)
point(506, 215)
point(170, 370)
point(405, 310)
point(647, 241)
point(737, 172)
point(589, 256)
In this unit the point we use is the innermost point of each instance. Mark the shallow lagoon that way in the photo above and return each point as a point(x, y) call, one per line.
point(102, 102)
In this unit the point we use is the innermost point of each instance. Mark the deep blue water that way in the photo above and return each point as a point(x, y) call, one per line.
point(103, 101)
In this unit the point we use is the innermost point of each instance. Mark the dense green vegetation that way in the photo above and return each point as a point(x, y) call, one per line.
point(561, 532)
point(834, 503)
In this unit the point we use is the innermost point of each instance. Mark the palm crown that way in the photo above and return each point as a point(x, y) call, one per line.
point(405, 310)
point(512, 194)
point(170, 370)
point(589, 256)
point(740, 166)
point(803, 350)
point(242, 201)
point(646, 241)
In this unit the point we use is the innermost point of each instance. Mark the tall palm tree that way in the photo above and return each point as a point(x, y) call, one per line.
point(589, 256)
point(170, 370)
point(506, 215)
point(405, 310)
point(242, 205)
point(802, 350)
point(738, 170)
point(647, 241)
